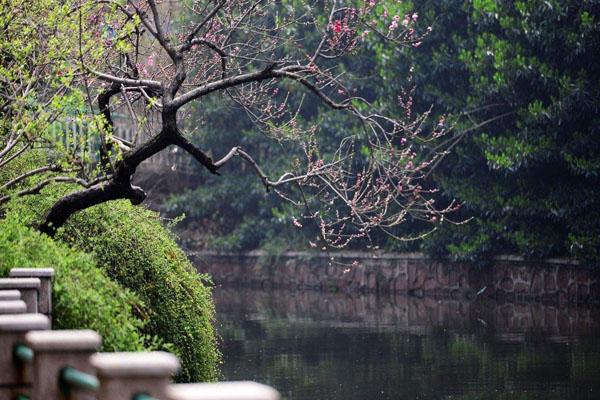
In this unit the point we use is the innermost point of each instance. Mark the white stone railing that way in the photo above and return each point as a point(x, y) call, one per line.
point(38, 363)
point(75, 137)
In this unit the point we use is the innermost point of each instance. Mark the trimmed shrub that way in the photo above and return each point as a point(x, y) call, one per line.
point(133, 249)
point(138, 252)
point(83, 296)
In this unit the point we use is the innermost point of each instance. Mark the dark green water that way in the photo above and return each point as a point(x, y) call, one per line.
point(324, 346)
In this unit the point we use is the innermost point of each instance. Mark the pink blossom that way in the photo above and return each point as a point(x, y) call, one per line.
point(337, 26)
point(150, 60)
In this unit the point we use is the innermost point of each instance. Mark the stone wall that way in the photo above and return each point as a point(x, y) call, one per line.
point(508, 279)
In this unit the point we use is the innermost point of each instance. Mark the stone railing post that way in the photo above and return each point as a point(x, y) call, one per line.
point(29, 288)
point(222, 391)
point(45, 294)
point(128, 376)
point(61, 367)
point(12, 307)
point(14, 356)
point(10, 295)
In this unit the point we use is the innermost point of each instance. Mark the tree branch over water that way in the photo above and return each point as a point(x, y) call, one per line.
point(136, 57)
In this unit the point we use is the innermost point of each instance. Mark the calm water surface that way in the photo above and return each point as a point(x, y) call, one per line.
point(315, 346)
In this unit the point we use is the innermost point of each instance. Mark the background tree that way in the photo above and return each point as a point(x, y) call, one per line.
point(529, 178)
point(41, 92)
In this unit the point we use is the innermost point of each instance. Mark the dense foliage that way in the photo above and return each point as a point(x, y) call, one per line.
point(529, 176)
point(83, 295)
point(527, 76)
point(139, 253)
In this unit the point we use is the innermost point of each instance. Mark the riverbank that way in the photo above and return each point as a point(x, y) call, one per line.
point(507, 279)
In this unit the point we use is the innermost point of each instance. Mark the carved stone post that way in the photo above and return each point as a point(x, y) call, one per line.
point(45, 276)
point(15, 372)
point(125, 375)
point(56, 351)
point(29, 288)
point(222, 391)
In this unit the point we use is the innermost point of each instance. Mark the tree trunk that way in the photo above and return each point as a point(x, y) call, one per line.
point(82, 199)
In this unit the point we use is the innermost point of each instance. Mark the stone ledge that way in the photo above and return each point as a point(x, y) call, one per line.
point(135, 364)
point(23, 322)
point(364, 255)
point(32, 272)
point(242, 390)
point(10, 295)
point(20, 283)
point(65, 340)
point(12, 307)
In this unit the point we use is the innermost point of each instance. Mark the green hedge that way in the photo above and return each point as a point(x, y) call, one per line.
point(136, 251)
point(139, 253)
point(83, 295)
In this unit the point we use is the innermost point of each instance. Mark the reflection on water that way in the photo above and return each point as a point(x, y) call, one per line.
point(312, 345)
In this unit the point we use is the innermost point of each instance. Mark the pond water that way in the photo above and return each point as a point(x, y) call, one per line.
point(323, 346)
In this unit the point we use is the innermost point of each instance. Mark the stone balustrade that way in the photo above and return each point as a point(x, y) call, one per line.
point(45, 292)
point(54, 351)
point(125, 376)
point(29, 288)
point(10, 295)
point(43, 364)
point(15, 374)
point(12, 307)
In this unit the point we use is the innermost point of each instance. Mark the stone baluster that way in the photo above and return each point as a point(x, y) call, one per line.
point(127, 376)
point(29, 288)
point(222, 391)
point(12, 307)
point(6, 295)
point(61, 367)
point(15, 373)
point(45, 294)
